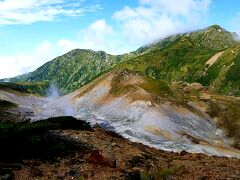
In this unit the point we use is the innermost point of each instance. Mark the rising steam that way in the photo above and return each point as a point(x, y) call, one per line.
point(64, 106)
point(53, 92)
point(235, 37)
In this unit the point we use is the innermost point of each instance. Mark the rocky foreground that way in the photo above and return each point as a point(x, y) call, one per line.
point(94, 153)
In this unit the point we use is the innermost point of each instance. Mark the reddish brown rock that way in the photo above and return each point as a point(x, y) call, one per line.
point(101, 158)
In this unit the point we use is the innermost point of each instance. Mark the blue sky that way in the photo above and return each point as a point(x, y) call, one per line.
point(33, 32)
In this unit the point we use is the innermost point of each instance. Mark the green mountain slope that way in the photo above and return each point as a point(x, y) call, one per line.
point(31, 87)
point(191, 57)
point(73, 70)
point(186, 57)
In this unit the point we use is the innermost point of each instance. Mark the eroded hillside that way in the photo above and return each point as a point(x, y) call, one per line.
point(177, 116)
point(170, 116)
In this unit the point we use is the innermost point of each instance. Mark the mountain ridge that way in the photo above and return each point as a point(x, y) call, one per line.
point(75, 63)
point(80, 66)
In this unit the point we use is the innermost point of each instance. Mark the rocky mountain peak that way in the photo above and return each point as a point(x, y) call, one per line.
point(213, 37)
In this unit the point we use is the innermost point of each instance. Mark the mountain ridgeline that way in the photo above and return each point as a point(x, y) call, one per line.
point(210, 56)
point(72, 70)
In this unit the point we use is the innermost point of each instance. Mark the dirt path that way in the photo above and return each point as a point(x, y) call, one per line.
point(213, 59)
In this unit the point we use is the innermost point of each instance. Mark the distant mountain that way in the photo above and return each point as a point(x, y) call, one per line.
point(73, 69)
point(209, 56)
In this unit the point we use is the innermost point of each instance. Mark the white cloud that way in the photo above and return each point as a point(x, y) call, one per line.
point(149, 21)
point(19, 63)
point(235, 24)
point(30, 11)
point(176, 7)
point(67, 45)
point(97, 36)
point(93, 37)
point(155, 19)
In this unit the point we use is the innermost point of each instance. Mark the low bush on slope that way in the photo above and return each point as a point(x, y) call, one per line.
point(34, 140)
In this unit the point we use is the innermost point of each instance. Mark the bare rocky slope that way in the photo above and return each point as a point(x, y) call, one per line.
point(175, 116)
point(113, 157)
point(166, 116)
point(172, 117)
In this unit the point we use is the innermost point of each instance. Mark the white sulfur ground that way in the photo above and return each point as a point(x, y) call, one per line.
point(163, 126)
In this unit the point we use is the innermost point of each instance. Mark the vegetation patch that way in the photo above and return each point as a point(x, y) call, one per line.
point(140, 161)
point(6, 104)
point(35, 140)
point(157, 87)
point(136, 161)
point(26, 87)
point(227, 113)
point(165, 173)
point(4, 114)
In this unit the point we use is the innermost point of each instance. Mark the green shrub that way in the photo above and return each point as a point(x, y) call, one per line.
point(31, 140)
